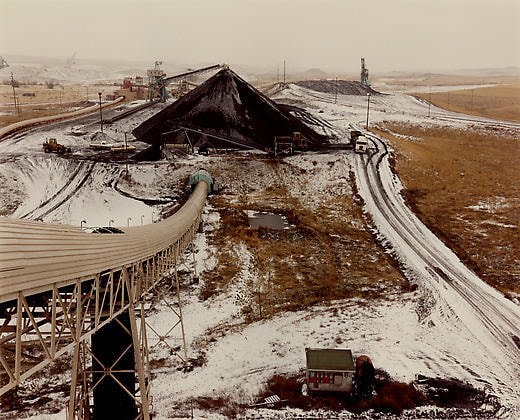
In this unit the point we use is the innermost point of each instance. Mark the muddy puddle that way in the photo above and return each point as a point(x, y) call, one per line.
point(266, 220)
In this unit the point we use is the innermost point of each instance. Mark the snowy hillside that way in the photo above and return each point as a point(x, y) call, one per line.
point(399, 332)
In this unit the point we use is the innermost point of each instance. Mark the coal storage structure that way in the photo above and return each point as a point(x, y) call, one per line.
point(226, 112)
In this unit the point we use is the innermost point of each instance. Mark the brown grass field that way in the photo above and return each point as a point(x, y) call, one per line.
point(502, 102)
point(463, 185)
point(327, 253)
point(45, 101)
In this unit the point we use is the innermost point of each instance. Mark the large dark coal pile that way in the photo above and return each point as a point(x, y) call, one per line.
point(225, 112)
point(343, 87)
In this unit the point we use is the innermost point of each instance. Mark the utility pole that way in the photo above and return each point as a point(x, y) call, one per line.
point(336, 91)
point(16, 108)
point(284, 72)
point(368, 107)
point(430, 103)
point(100, 112)
point(126, 157)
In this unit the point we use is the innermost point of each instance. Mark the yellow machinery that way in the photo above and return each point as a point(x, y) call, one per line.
point(52, 145)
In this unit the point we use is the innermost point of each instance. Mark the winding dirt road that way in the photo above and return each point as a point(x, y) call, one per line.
point(481, 327)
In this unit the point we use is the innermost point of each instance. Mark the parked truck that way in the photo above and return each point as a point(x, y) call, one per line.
point(361, 145)
point(52, 145)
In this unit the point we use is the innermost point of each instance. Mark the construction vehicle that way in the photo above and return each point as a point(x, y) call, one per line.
point(52, 145)
point(287, 144)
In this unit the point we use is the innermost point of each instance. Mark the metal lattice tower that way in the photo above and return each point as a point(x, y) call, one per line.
point(156, 83)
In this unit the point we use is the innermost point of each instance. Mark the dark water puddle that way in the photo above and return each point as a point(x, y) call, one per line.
point(266, 220)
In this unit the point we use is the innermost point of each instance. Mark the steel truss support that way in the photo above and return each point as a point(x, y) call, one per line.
point(168, 292)
point(111, 371)
point(38, 328)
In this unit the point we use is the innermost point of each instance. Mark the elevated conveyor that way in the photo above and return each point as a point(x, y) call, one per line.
point(59, 284)
point(35, 257)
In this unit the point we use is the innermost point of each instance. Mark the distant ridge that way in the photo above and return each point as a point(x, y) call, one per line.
point(342, 87)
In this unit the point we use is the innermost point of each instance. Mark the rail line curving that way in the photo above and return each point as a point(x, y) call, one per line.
point(34, 122)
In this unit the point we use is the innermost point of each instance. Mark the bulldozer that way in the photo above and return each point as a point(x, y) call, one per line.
point(52, 145)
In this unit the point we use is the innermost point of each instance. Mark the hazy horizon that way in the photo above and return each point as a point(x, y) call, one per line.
point(332, 35)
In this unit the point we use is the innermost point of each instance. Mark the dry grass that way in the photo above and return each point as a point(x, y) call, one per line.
point(431, 79)
point(446, 174)
point(501, 101)
point(46, 101)
point(391, 396)
point(327, 253)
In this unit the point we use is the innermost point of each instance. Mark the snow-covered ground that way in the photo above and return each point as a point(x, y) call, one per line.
point(239, 357)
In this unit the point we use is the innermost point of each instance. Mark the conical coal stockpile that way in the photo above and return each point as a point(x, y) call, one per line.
point(225, 111)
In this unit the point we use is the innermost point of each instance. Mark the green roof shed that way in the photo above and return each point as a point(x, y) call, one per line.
point(330, 359)
point(329, 370)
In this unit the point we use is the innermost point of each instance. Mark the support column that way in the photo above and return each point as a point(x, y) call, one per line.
point(113, 371)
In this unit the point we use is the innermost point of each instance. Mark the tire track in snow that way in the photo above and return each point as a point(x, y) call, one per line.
point(448, 273)
point(69, 189)
point(474, 307)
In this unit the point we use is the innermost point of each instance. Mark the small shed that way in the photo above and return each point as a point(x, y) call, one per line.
point(329, 370)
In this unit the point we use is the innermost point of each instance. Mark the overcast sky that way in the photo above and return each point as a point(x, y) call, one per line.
point(329, 34)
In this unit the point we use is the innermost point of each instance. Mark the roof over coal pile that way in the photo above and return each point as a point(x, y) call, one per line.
point(225, 111)
point(343, 87)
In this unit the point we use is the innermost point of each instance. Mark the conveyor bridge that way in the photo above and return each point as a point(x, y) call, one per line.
point(60, 285)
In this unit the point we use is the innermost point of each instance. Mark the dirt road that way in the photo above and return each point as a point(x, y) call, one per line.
point(474, 317)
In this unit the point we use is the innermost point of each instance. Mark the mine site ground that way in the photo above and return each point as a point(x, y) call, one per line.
point(253, 299)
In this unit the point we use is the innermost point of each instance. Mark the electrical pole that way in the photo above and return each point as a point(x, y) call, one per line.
point(126, 157)
point(16, 108)
point(430, 103)
point(336, 91)
point(100, 112)
point(284, 72)
point(368, 107)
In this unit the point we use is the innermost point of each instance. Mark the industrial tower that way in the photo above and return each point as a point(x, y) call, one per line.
point(156, 83)
point(3, 63)
point(364, 73)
